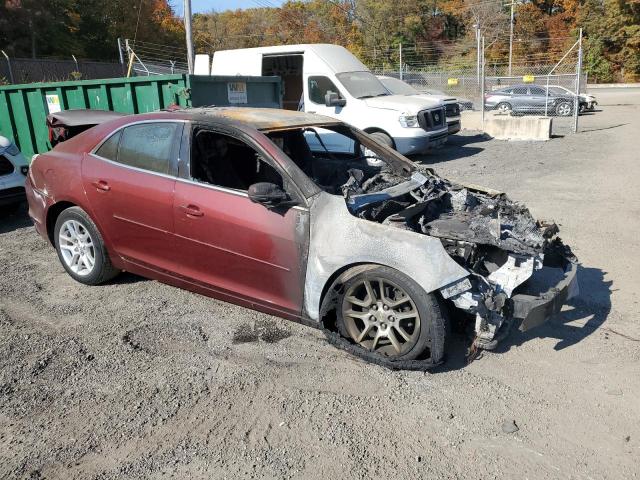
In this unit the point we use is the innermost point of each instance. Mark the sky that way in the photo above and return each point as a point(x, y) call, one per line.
point(203, 6)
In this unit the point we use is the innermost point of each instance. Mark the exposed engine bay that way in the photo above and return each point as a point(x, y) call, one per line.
point(496, 239)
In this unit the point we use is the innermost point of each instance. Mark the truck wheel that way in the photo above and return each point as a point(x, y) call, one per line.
point(11, 208)
point(81, 249)
point(388, 314)
point(383, 138)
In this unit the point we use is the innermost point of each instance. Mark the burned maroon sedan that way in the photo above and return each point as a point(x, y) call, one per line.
point(303, 217)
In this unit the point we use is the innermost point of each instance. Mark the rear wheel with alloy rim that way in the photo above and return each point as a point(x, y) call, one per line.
point(81, 249)
point(388, 314)
point(503, 107)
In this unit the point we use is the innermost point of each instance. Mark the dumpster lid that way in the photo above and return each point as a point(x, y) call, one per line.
point(76, 118)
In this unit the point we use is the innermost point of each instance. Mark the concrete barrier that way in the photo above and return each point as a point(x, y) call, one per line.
point(507, 127)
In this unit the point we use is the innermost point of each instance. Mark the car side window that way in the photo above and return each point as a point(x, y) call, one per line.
point(520, 90)
point(536, 91)
point(109, 149)
point(148, 146)
point(225, 161)
point(318, 88)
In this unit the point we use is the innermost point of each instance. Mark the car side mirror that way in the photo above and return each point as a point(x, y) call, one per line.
point(332, 99)
point(269, 194)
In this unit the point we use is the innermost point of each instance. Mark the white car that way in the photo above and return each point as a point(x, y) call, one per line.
point(451, 104)
point(13, 172)
point(587, 98)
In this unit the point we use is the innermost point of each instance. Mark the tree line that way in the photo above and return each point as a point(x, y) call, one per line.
point(432, 32)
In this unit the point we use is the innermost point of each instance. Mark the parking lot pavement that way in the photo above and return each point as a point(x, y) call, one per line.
point(136, 379)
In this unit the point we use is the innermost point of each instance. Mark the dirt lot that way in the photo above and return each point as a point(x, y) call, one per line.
point(136, 379)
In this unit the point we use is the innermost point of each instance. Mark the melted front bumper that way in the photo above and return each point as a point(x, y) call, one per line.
point(534, 310)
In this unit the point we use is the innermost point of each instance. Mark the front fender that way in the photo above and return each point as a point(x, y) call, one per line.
point(338, 238)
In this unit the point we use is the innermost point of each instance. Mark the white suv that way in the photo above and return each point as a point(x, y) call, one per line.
point(13, 171)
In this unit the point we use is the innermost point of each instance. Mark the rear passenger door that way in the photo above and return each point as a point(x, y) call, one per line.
point(538, 97)
point(520, 99)
point(129, 181)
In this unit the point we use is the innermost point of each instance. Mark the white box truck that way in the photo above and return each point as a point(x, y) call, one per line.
point(328, 80)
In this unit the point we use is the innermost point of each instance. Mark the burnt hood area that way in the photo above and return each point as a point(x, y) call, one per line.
point(477, 227)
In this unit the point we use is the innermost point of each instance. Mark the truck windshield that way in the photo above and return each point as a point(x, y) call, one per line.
point(362, 84)
point(397, 86)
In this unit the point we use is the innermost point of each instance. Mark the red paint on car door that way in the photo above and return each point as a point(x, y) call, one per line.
point(241, 248)
point(135, 212)
point(129, 183)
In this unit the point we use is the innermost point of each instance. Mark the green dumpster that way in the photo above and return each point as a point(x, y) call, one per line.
point(23, 108)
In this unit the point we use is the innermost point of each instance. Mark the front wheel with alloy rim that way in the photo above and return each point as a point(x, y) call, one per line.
point(81, 249)
point(563, 109)
point(388, 314)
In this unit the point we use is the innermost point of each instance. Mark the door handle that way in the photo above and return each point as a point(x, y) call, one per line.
point(192, 210)
point(101, 185)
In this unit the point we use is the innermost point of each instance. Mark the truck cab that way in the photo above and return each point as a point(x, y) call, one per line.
point(328, 80)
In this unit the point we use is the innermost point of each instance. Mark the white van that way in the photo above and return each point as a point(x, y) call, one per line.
point(328, 80)
point(452, 108)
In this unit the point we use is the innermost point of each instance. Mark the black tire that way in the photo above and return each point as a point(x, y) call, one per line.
point(383, 138)
point(430, 340)
point(102, 270)
point(582, 109)
point(504, 107)
point(10, 209)
point(562, 110)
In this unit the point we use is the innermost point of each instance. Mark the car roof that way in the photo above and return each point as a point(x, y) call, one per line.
point(265, 119)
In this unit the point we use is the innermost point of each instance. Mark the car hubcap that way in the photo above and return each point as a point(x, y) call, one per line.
point(504, 108)
point(76, 247)
point(381, 317)
point(564, 109)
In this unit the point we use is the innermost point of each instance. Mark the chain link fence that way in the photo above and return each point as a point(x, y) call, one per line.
point(540, 84)
point(29, 70)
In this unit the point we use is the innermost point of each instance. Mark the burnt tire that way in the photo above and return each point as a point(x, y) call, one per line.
point(87, 243)
point(420, 337)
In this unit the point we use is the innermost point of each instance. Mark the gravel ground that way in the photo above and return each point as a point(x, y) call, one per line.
point(136, 379)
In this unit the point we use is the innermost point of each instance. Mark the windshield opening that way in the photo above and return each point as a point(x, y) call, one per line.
point(331, 156)
point(362, 84)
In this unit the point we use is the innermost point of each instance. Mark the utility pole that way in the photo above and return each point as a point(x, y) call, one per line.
point(511, 37)
point(187, 31)
point(482, 87)
point(477, 25)
point(576, 102)
point(400, 51)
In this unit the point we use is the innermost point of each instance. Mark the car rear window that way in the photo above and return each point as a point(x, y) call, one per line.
point(148, 146)
point(6, 167)
point(109, 149)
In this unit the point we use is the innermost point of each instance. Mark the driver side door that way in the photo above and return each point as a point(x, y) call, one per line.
point(235, 249)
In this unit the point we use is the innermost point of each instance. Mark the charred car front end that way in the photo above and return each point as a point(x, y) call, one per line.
point(518, 268)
